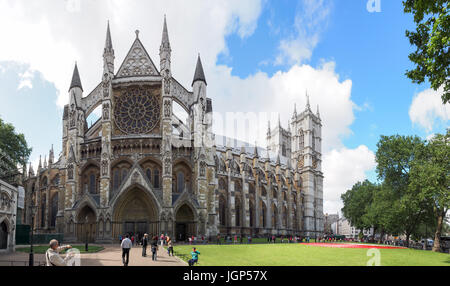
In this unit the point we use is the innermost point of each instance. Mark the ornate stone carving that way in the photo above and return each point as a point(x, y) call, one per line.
point(135, 178)
point(70, 171)
point(72, 116)
point(167, 108)
point(301, 162)
point(202, 169)
point(137, 63)
point(106, 111)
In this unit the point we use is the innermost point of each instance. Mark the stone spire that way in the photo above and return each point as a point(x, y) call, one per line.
point(308, 106)
point(30, 171)
point(108, 42)
point(76, 81)
point(295, 111)
point(268, 129)
point(165, 43)
point(199, 73)
point(278, 159)
point(40, 163)
point(318, 111)
point(51, 157)
point(256, 150)
point(108, 53)
point(45, 162)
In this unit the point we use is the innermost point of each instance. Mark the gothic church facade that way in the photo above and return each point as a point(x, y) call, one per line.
point(140, 169)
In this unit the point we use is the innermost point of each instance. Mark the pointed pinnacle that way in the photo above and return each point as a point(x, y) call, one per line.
point(199, 73)
point(76, 81)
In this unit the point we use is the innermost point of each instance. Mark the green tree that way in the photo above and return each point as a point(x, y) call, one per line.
point(430, 179)
point(356, 203)
point(432, 41)
point(395, 156)
point(14, 151)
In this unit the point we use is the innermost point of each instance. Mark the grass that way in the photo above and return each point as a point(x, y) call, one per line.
point(304, 255)
point(42, 249)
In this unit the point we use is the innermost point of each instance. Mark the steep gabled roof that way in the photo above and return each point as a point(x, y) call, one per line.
point(199, 73)
point(76, 81)
point(137, 62)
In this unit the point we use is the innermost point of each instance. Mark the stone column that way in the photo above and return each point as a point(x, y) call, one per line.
point(232, 206)
point(245, 201)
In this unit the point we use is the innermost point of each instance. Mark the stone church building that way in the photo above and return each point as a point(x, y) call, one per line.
point(140, 169)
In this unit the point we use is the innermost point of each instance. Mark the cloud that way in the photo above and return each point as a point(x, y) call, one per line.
point(51, 35)
point(343, 168)
point(279, 94)
point(310, 21)
point(26, 79)
point(427, 109)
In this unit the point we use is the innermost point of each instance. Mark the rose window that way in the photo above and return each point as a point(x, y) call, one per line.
point(137, 111)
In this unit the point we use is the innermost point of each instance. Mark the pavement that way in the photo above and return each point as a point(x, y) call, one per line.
point(110, 256)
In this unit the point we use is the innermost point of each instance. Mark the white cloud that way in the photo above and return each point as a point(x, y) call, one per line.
point(26, 79)
point(310, 21)
point(51, 35)
point(427, 109)
point(343, 168)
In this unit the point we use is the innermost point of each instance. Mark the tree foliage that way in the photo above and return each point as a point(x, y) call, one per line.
point(14, 148)
point(432, 41)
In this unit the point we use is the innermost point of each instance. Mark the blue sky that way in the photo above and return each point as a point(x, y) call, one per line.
point(357, 60)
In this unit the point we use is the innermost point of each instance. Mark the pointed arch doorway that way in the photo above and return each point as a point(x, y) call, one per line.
point(135, 213)
point(86, 225)
point(186, 224)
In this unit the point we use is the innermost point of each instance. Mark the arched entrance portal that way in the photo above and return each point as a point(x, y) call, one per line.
point(3, 236)
point(186, 225)
point(86, 225)
point(135, 213)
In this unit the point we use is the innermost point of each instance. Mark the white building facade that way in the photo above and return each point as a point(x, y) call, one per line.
point(8, 209)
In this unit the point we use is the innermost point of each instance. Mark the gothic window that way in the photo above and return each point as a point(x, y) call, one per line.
point(274, 216)
point(149, 174)
point(180, 182)
point(275, 193)
point(116, 180)
point(251, 189)
point(302, 140)
point(43, 210)
point(54, 210)
point(156, 183)
point(238, 212)
point(283, 151)
point(313, 141)
point(285, 218)
point(44, 182)
point(92, 184)
point(222, 210)
point(263, 191)
point(124, 175)
point(137, 111)
point(284, 196)
point(263, 214)
point(252, 214)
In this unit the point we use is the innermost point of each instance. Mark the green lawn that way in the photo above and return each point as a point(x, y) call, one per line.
point(304, 255)
point(43, 249)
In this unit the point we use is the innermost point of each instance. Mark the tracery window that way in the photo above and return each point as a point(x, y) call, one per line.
point(180, 182)
point(137, 111)
point(302, 140)
point(156, 183)
point(92, 184)
point(149, 174)
point(116, 180)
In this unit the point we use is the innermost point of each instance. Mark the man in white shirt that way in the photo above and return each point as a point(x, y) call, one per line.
point(52, 255)
point(126, 246)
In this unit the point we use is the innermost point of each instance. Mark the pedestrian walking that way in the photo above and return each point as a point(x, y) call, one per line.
point(155, 248)
point(126, 245)
point(169, 246)
point(144, 245)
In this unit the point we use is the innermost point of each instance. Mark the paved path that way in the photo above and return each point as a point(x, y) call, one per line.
point(110, 256)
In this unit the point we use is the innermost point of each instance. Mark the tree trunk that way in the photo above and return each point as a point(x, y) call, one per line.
point(380, 241)
point(407, 239)
point(437, 234)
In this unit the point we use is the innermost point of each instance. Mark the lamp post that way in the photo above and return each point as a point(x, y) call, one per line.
point(33, 214)
point(86, 247)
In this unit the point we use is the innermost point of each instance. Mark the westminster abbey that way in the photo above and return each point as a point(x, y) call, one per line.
point(140, 169)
